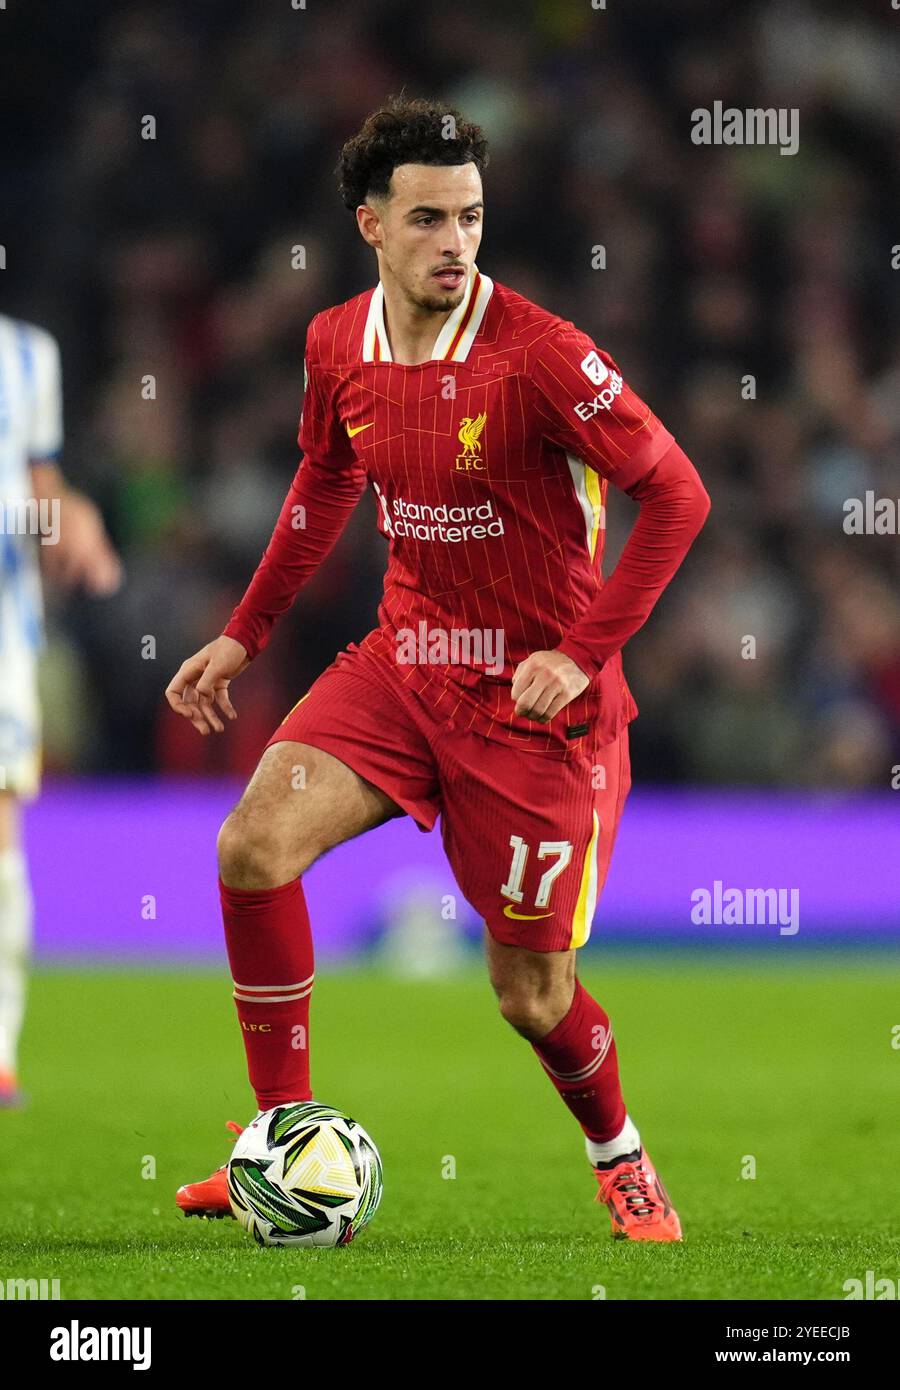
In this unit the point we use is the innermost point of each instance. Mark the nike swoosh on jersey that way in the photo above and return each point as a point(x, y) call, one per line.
point(358, 429)
point(510, 911)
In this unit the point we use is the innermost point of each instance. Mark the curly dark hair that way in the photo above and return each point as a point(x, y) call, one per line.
point(405, 131)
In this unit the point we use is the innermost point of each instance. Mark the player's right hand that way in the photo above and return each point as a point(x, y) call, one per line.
point(201, 683)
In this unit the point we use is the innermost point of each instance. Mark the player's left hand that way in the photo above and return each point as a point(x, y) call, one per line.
point(544, 683)
point(84, 553)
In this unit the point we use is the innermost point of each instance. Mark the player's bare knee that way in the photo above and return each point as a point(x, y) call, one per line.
point(253, 855)
point(532, 1013)
point(237, 862)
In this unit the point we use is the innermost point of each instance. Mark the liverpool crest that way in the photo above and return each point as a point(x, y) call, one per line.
point(469, 436)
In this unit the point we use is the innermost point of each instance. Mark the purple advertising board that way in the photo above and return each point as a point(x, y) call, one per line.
point(127, 869)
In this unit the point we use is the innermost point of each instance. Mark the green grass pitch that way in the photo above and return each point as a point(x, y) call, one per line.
point(133, 1074)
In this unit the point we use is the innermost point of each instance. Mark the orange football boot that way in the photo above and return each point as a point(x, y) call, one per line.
point(208, 1198)
point(639, 1205)
point(11, 1098)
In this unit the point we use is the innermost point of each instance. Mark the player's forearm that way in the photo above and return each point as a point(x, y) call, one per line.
point(674, 505)
point(315, 512)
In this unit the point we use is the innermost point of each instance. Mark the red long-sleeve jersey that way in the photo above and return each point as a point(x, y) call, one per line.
point(490, 466)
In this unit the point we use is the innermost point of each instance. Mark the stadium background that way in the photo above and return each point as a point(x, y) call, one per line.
point(172, 257)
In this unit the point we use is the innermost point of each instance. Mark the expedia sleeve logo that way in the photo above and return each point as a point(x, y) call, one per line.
point(594, 368)
point(604, 400)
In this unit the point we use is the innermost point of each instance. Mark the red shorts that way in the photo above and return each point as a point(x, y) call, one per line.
point(529, 837)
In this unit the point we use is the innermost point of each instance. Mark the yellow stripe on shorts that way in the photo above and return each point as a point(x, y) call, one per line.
point(587, 893)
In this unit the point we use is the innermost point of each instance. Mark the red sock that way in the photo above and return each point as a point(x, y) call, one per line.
point(579, 1056)
point(270, 950)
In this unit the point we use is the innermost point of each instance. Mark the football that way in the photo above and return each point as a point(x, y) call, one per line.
point(304, 1174)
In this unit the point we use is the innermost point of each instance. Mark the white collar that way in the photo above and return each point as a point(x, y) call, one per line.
point(455, 338)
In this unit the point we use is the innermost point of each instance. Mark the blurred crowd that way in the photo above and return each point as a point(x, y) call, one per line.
point(748, 296)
